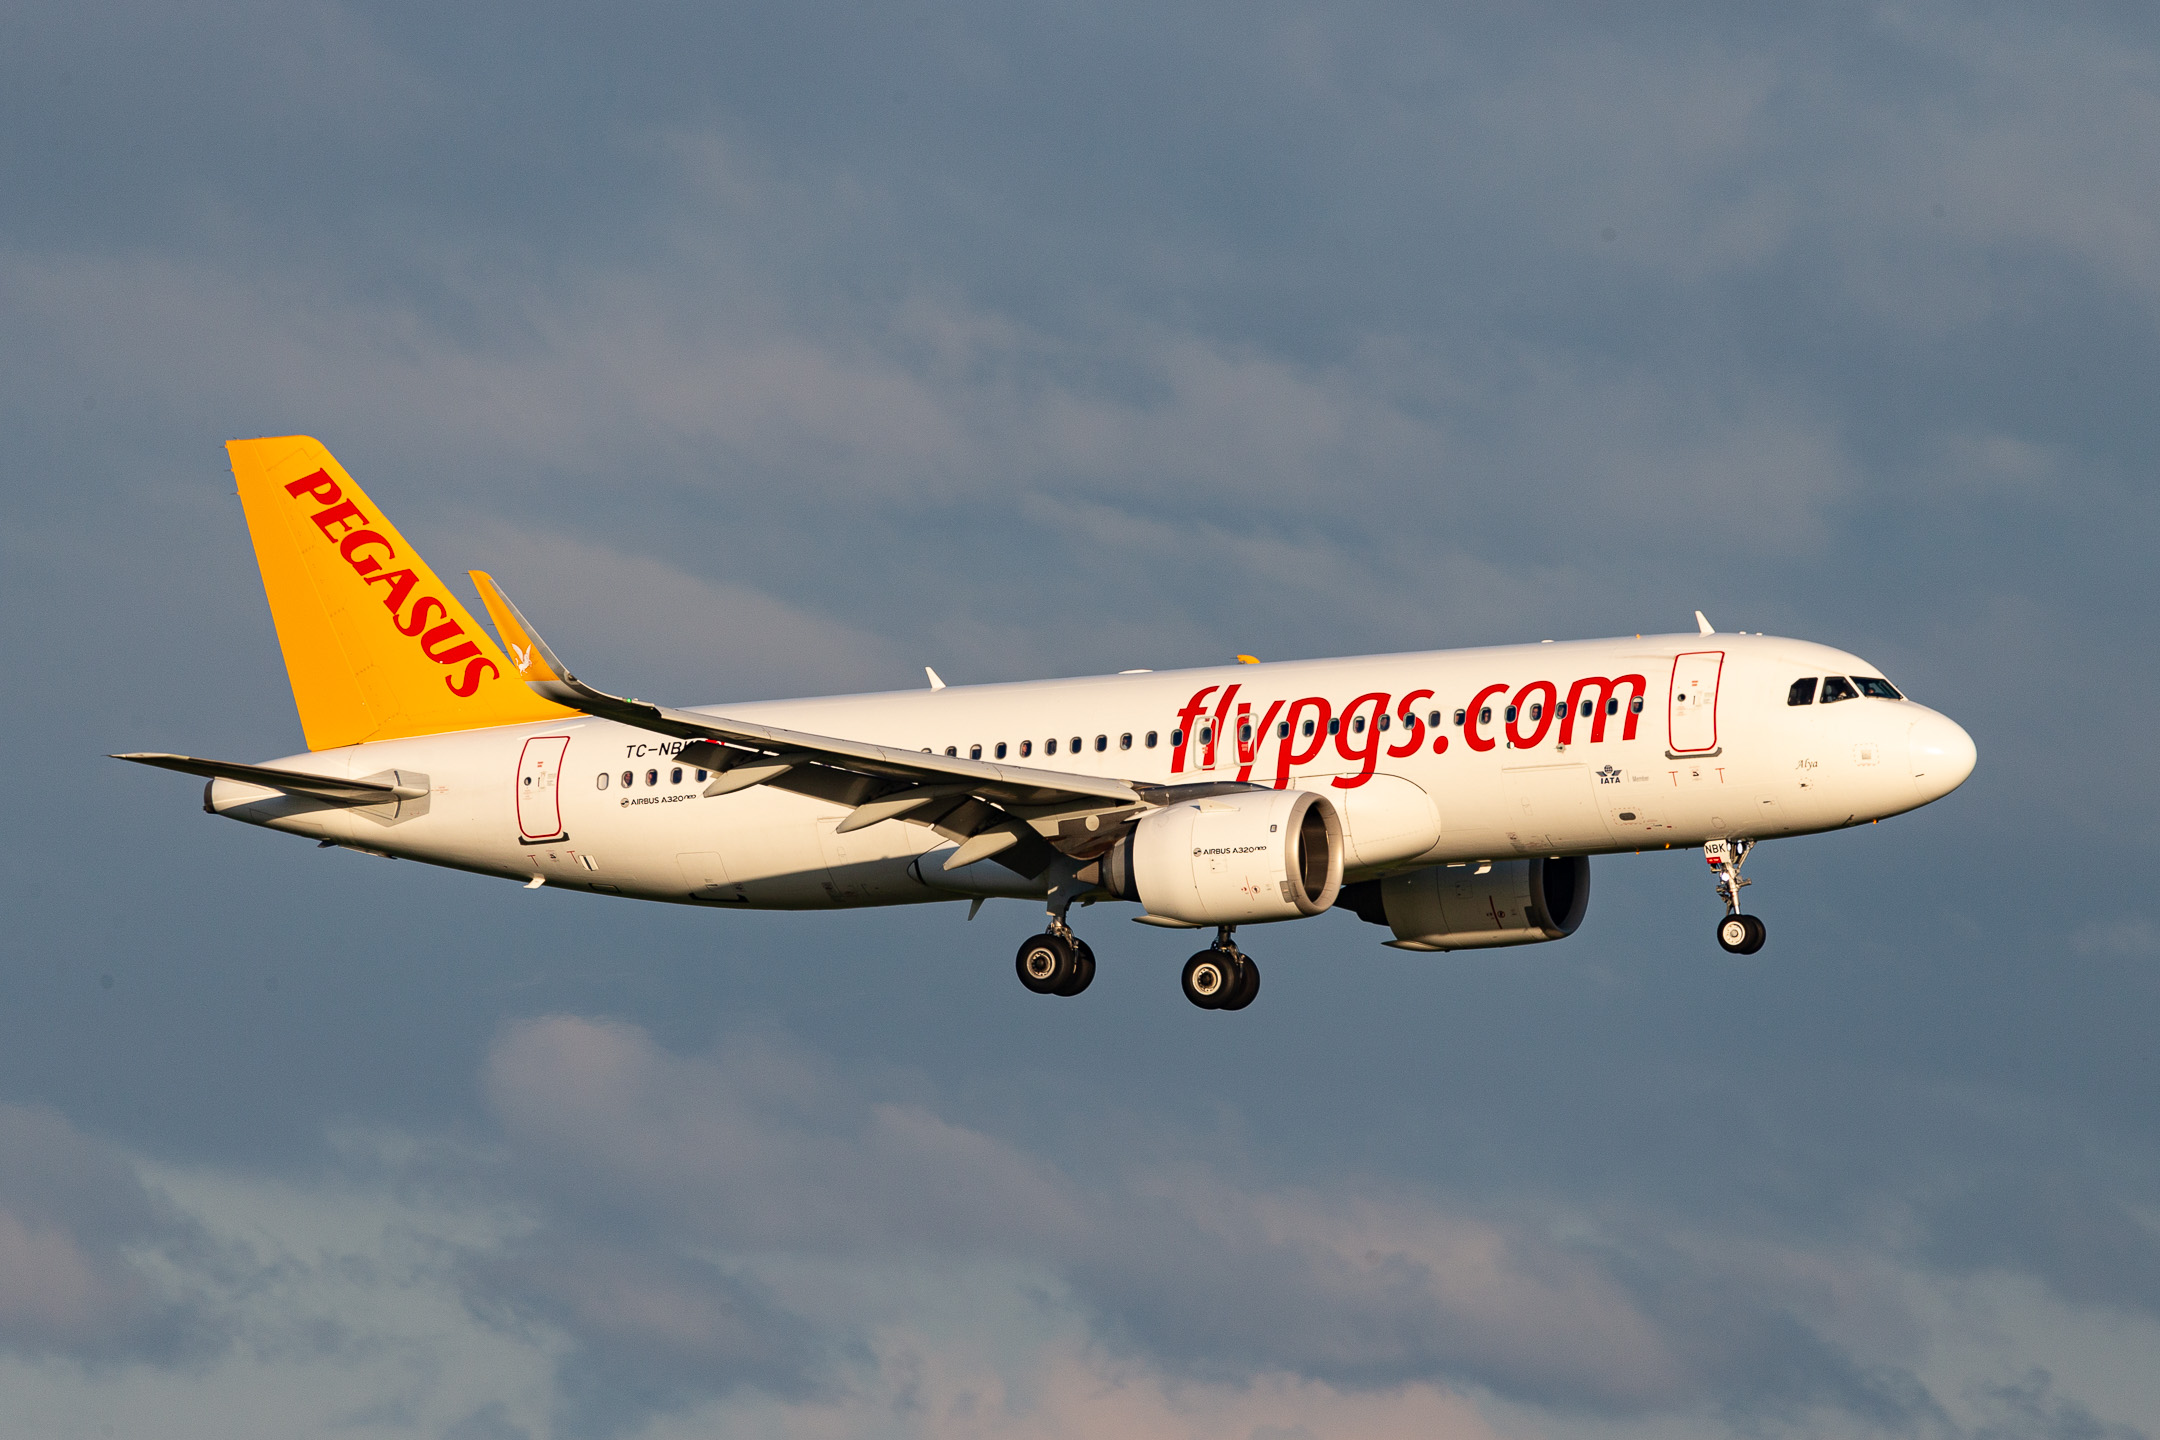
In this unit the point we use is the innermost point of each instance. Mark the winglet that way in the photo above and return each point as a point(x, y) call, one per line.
point(935, 682)
point(1700, 624)
point(528, 651)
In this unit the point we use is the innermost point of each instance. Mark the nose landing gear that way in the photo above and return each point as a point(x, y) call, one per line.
point(1739, 934)
point(1221, 977)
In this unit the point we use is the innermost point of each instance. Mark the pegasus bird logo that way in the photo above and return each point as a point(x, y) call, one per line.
point(523, 656)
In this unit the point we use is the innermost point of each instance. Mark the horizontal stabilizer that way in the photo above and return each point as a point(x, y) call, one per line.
point(325, 787)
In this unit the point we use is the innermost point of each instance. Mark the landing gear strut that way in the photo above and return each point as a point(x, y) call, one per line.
point(1221, 977)
point(1739, 934)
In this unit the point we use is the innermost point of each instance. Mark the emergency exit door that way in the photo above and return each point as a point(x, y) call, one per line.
point(539, 792)
point(1693, 710)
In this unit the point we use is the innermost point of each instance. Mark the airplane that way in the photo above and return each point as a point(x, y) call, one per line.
point(1450, 797)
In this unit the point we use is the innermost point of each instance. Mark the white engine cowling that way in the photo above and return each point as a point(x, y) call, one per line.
point(1452, 907)
point(1234, 859)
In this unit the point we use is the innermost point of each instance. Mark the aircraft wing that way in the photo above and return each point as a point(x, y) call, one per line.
point(1019, 814)
point(325, 787)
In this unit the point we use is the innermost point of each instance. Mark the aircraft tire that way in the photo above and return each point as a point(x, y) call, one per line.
point(1045, 964)
point(1083, 969)
point(1209, 978)
point(1741, 934)
point(1248, 986)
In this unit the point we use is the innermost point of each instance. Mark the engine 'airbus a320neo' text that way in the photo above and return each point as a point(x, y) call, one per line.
point(1451, 797)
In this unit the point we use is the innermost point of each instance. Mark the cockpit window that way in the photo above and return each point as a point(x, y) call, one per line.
point(1802, 692)
point(1876, 688)
point(1837, 687)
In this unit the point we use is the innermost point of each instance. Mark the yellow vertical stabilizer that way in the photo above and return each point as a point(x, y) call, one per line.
point(376, 645)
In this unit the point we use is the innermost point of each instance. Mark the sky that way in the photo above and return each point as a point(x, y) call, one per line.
point(781, 349)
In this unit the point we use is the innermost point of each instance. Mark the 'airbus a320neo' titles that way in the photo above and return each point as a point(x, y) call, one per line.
point(1452, 797)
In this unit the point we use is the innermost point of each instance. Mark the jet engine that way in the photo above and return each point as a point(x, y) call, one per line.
point(1457, 907)
point(1232, 859)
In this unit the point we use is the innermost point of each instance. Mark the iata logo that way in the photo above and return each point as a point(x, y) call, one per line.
point(1608, 775)
point(341, 522)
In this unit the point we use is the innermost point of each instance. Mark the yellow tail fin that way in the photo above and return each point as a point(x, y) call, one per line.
point(376, 645)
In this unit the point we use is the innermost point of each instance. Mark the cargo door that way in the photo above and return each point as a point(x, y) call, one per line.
point(1556, 809)
point(539, 792)
point(1692, 725)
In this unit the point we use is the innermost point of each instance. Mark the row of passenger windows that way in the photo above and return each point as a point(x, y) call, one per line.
point(1837, 687)
point(1309, 728)
point(652, 777)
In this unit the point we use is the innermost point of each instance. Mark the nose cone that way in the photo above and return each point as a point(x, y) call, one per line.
point(1942, 755)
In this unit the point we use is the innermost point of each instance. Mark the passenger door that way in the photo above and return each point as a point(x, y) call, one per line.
point(539, 794)
point(1692, 723)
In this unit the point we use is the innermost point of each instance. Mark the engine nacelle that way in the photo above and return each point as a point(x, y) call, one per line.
point(1452, 907)
point(1235, 859)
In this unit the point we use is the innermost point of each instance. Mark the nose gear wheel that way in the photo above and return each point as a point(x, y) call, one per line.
point(1739, 934)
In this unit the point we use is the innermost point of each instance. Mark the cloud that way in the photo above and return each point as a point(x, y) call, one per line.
point(95, 1266)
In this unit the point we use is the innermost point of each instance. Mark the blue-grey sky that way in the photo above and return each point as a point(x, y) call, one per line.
point(782, 349)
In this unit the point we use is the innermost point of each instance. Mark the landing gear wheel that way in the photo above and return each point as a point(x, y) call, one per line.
point(1046, 963)
point(1083, 974)
point(1210, 978)
point(1741, 934)
point(1248, 985)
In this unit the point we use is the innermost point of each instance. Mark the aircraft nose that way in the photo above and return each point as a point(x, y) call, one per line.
point(1942, 754)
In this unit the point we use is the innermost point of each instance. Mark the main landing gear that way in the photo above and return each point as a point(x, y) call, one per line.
point(1739, 934)
point(1056, 962)
point(1221, 977)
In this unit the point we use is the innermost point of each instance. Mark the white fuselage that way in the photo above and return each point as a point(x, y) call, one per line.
point(1712, 751)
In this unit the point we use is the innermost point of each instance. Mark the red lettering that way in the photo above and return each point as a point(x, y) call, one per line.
point(1288, 755)
point(1194, 708)
point(365, 564)
point(1605, 689)
point(1545, 716)
point(464, 685)
point(442, 634)
point(420, 615)
point(1370, 755)
point(343, 513)
point(1412, 723)
point(1249, 750)
point(1213, 735)
point(1470, 719)
point(401, 584)
point(319, 487)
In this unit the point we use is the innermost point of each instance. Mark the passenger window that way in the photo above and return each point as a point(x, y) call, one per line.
point(953, 750)
point(1612, 706)
point(1432, 720)
point(629, 778)
point(1462, 715)
point(1357, 725)
point(1635, 706)
point(652, 777)
point(1537, 711)
point(1151, 739)
point(601, 783)
point(1511, 714)
point(1207, 734)
point(1876, 688)
point(1484, 715)
point(1308, 729)
point(1027, 748)
point(1802, 692)
point(1050, 746)
point(1836, 688)
point(1589, 707)
point(1102, 743)
point(1385, 721)
point(675, 776)
point(1177, 737)
point(974, 752)
point(701, 777)
point(1282, 729)
point(1000, 751)
point(1124, 742)
point(1334, 726)
point(1244, 734)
